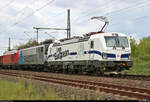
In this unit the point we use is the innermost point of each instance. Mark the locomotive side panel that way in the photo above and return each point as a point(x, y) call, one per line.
point(96, 49)
point(28, 56)
point(68, 52)
point(40, 51)
point(84, 50)
point(32, 56)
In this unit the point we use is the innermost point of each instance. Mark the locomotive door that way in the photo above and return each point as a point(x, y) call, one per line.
point(40, 55)
point(81, 51)
point(91, 51)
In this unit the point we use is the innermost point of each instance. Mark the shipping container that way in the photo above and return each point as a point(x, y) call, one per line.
point(11, 57)
point(7, 59)
point(20, 57)
point(15, 57)
point(1, 60)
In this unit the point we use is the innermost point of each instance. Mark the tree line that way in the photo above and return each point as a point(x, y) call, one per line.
point(32, 43)
point(140, 52)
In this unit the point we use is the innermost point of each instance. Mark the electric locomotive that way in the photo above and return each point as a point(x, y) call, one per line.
point(97, 53)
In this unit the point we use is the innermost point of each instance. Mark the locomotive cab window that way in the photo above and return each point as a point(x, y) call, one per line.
point(116, 41)
point(92, 44)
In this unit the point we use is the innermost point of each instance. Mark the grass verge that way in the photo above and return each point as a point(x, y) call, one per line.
point(140, 68)
point(23, 90)
point(29, 90)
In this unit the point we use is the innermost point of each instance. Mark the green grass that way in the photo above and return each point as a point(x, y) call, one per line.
point(140, 68)
point(25, 91)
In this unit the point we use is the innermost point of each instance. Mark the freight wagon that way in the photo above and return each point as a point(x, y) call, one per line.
point(1, 61)
point(32, 58)
point(10, 59)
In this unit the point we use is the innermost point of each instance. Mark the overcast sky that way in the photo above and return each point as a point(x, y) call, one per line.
point(131, 17)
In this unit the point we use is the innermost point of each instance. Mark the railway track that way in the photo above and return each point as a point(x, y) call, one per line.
point(130, 77)
point(137, 77)
point(126, 76)
point(138, 93)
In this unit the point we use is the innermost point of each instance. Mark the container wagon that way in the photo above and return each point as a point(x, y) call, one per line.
point(1, 61)
point(10, 59)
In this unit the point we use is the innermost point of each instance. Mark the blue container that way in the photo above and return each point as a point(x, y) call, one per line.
point(20, 57)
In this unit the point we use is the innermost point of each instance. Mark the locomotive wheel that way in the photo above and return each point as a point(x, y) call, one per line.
point(64, 70)
point(99, 71)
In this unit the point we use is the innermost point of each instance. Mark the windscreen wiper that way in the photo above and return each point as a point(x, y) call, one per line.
point(123, 47)
point(114, 47)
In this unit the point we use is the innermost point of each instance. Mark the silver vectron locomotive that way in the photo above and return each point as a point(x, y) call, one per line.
point(94, 53)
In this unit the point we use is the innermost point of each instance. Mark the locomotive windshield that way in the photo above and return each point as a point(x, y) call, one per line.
point(116, 41)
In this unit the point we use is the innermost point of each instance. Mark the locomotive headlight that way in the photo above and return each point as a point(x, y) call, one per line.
point(104, 55)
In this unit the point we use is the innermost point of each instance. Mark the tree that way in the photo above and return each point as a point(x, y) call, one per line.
point(30, 43)
point(144, 49)
point(134, 46)
point(140, 52)
point(47, 41)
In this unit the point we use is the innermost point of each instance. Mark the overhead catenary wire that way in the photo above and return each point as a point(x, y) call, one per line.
point(135, 5)
point(103, 5)
point(14, 24)
point(20, 39)
point(3, 47)
point(134, 19)
point(22, 10)
point(116, 12)
point(34, 12)
point(37, 11)
point(7, 5)
point(53, 24)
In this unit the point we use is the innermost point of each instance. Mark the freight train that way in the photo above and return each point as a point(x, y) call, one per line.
point(32, 58)
point(96, 53)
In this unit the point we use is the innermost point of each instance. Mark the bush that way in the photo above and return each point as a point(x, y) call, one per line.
point(140, 55)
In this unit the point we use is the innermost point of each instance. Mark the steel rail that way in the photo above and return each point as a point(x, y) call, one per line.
point(109, 88)
point(141, 90)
